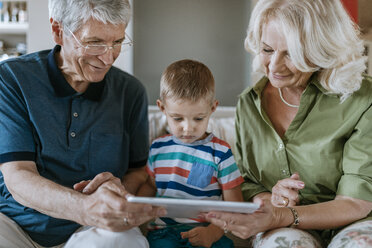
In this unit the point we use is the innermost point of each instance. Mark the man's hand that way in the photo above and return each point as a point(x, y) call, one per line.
point(203, 236)
point(90, 186)
point(106, 204)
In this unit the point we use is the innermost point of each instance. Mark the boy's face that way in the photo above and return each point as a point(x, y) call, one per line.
point(187, 120)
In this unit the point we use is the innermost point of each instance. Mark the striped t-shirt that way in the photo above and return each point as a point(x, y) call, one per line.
point(199, 170)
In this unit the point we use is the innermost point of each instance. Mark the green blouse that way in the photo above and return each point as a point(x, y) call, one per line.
point(328, 143)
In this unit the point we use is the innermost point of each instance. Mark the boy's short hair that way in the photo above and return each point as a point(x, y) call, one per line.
point(187, 79)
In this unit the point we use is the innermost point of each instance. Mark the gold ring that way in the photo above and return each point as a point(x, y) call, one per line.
point(126, 222)
point(285, 201)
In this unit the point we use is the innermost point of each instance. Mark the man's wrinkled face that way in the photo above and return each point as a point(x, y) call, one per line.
point(83, 67)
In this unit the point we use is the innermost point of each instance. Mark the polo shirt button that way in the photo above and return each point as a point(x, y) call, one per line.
point(284, 172)
point(281, 146)
point(75, 115)
point(73, 134)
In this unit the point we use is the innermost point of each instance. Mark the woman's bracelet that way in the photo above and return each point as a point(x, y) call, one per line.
point(296, 221)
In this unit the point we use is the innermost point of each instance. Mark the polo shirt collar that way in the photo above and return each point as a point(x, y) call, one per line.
point(62, 88)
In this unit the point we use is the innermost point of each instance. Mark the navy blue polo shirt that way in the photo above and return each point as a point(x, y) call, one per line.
point(71, 136)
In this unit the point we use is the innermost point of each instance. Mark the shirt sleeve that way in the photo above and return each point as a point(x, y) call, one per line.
point(17, 141)
point(250, 187)
point(356, 181)
point(139, 138)
point(229, 175)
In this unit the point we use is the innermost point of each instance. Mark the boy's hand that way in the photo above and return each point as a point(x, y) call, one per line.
point(203, 236)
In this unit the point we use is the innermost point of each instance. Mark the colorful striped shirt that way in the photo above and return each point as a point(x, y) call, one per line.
point(200, 170)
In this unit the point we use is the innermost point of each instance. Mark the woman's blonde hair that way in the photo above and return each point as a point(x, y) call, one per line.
point(188, 80)
point(320, 36)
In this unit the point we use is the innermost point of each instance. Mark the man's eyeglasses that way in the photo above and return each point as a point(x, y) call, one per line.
point(101, 49)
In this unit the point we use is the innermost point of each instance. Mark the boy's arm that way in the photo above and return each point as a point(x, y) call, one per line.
point(134, 179)
point(148, 188)
point(234, 194)
point(203, 236)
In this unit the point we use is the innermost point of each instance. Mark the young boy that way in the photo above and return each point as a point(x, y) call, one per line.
point(189, 163)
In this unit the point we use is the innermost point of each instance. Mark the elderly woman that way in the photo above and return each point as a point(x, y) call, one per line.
point(304, 131)
point(67, 115)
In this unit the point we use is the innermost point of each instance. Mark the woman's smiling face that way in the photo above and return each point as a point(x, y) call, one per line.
point(275, 58)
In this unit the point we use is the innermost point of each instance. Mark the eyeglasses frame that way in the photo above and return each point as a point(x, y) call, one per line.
point(129, 43)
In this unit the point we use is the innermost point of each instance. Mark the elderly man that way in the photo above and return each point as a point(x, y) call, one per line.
point(67, 115)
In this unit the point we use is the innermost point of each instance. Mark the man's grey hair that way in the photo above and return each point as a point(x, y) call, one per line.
point(74, 13)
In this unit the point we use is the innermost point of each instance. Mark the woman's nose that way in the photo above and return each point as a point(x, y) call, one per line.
point(276, 62)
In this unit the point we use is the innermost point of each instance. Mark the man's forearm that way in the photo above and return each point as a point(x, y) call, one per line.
point(32, 190)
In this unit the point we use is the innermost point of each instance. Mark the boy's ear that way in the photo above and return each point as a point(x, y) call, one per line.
point(214, 105)
point(160, 105)
point(57, 31)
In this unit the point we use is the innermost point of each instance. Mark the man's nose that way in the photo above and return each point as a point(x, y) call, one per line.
point(108, 57)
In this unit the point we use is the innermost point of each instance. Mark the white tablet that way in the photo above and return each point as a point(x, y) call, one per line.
point(186, 208)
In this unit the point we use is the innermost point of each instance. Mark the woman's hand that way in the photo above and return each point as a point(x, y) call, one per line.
point(285, 192)
point(203, 236)
point(247, 225)
point(106, 207)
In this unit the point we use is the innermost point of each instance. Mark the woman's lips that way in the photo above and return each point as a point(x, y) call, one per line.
point(278, 76)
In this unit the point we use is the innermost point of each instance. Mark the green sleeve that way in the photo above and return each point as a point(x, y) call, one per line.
point(250, 187)
point(356, 180)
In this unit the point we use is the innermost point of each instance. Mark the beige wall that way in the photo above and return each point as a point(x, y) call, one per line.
point(39, 35)
point(211, 31)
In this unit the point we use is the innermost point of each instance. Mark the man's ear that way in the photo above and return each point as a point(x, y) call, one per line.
point(160, 105)
point(57, 31)
point(214, 105)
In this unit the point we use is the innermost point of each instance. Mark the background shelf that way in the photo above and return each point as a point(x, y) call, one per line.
point(13, 28)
